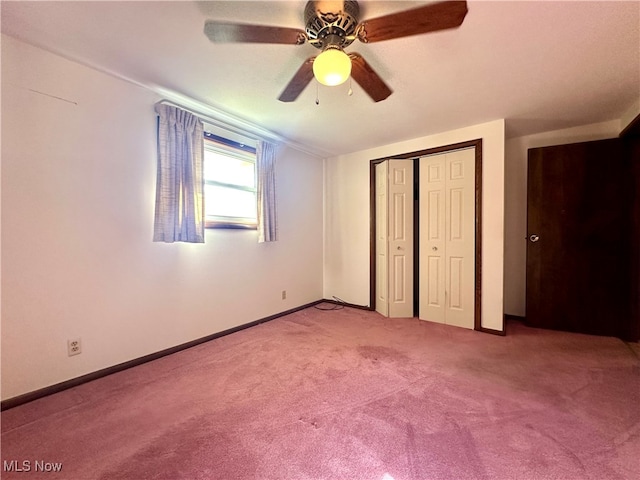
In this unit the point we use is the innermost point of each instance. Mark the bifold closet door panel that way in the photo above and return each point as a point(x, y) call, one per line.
point(447, 238)
point(382, 235)
point(431, 305)
point(400, 215)
point(460, 238)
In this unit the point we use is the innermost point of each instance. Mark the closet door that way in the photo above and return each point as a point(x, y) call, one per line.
point(382, 235)
point(432, 239)
point(460, 238)
point(394, 238)
point(447, 238)
point(400, 188)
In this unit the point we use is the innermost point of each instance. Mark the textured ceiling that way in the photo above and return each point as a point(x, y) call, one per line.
point(540, 65)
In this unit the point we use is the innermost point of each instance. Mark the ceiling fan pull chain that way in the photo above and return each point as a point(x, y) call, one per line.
point(350, 92)
point(317, 93)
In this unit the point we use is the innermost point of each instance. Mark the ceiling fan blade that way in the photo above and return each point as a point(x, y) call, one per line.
point(221, 32)
point(299, 81)
point(429, 18)
point(368, 79)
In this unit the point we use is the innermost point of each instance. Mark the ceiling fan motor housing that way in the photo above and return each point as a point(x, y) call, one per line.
point(331, 28)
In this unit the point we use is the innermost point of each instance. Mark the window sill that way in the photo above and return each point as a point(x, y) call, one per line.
point(230, 225)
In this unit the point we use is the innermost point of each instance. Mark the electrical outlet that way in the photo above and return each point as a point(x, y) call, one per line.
point(284, 294)
point(74, 347)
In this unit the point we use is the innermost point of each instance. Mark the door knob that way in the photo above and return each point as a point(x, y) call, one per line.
point(435, 249)
point(534, 238)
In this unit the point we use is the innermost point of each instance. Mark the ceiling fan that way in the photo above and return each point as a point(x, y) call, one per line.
point(331, 26)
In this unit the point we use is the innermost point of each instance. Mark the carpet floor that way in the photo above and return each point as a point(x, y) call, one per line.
point(347, 394)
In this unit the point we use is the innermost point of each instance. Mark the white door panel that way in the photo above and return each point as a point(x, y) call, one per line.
point(447, 238)
point(382, 272)
point(400, 244)
point(460, 246)
point(432, 239)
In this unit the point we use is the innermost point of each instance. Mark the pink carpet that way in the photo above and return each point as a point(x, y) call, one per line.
point(348, 394)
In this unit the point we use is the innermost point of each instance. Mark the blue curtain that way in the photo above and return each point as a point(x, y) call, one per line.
point(266, 190)
point(179, 215)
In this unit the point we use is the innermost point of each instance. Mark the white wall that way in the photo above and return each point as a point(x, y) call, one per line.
point(346, 273)
point(78, 185)
point(516, 201)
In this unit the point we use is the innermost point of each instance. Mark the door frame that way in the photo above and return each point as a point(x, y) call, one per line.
point(477, 144)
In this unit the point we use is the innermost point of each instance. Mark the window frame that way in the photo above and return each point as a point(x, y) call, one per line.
point(243, 152)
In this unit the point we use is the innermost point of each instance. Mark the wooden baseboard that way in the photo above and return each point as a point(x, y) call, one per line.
point(514, 317)
point(74, 382)
point(345, 304)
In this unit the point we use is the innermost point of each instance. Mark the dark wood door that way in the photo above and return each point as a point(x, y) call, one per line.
point(578, 198)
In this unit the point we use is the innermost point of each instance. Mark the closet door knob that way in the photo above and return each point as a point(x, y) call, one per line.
point(435, 249)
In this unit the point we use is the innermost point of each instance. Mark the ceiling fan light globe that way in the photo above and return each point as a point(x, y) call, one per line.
point(332, 67)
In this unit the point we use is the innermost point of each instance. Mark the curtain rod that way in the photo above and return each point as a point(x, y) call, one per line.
point(229, 143)
point(254, 132)
point(218, 123)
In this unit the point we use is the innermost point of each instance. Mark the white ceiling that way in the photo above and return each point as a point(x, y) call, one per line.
point(540, 65)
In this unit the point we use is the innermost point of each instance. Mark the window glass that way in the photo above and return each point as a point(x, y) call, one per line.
point(227, 169)
point(230, 186)
point(229, 202)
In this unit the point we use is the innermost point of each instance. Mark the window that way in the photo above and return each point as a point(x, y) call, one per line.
point(229, 183)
